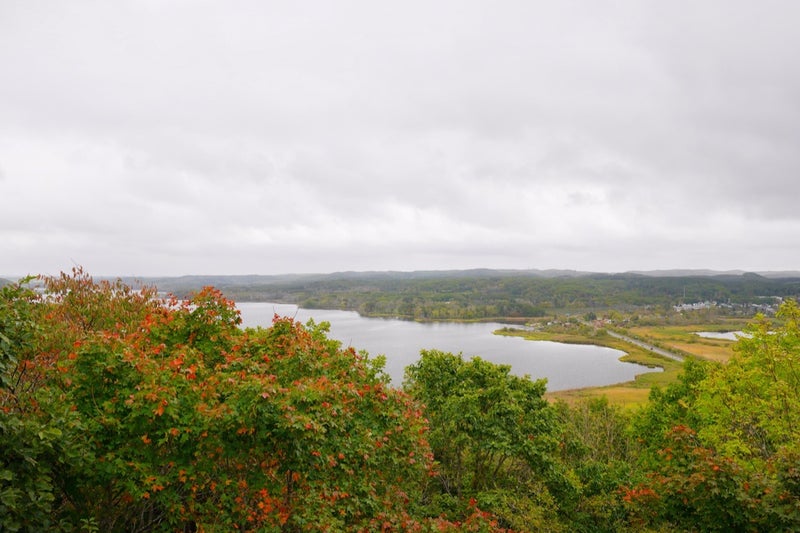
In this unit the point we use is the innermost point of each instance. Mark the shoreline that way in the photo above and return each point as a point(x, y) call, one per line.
point(628, 393)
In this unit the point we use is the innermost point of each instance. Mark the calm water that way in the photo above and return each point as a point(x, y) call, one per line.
point(566, 366)
point(726, 335)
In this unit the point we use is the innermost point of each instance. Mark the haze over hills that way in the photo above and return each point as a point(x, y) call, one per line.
point(223, 280)
point(486, 293)
point(777, 274)
point(227, 280)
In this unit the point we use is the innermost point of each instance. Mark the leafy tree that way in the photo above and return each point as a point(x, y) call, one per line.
point(124, 411)
point(694, 488)
point(597, 447)
point(752, 404)
point(143, 414)
point(670, 407)
point(196, 423)
point(39, 438)
point(729, 460)
point(16, 338)
point(494, 438)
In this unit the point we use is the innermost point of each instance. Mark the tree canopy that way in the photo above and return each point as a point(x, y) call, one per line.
point(125, 412)
point(121, 410)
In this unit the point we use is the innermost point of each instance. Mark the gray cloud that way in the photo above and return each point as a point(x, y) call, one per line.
point(173, 137)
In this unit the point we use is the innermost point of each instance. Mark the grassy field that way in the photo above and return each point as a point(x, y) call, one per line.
point(685, 339)
point(628, 394)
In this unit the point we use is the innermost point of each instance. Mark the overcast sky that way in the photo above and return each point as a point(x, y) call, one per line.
point(168, 137)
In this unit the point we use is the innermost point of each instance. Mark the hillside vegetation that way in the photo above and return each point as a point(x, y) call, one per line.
point(490, 294)
point(124, 411)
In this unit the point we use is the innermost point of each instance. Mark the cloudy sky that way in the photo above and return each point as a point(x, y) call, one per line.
point(167, 137)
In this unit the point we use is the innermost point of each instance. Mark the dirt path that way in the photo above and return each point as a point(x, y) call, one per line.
point(654, 349)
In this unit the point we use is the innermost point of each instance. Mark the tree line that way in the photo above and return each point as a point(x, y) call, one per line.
point(480, 295)
point(122, 410)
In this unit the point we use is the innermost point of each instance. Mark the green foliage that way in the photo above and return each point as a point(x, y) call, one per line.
point(39, 438)
point(37, 453)
point(471, 295)
point(493, 436)
point(727, 460)
point(195, 422)
point(596, 445)
point(17, 334)
point(125, 412)
point(752, 404)
point(696, 488)
point(671, 407)
point(26, 487)
point(122, 411)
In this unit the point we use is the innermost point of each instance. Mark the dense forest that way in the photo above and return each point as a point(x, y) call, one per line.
point(121, 410)
point(485, 294)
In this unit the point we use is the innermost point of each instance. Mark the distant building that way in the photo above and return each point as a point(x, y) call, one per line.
point(695, 306)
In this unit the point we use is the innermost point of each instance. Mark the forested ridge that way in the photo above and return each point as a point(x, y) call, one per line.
point(121, 410)
point(483, 294)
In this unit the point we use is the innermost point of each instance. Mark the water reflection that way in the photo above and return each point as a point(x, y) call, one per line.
point(724, 335)
point(565, 366)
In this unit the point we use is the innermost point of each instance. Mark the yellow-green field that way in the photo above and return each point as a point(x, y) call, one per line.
point(685, 339)
point(682, 340)
point(630, 393)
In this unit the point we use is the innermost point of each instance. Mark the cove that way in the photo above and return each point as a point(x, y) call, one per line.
point(566, 366)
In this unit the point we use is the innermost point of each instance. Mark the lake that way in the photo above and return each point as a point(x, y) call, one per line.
point(566, 366)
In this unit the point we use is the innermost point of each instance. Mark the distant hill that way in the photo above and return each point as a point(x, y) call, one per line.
point(184, 284)
point(781, 274)
point(210, 279)
point(682, 273)
point(180, 284)
point(199, 281)
point(677, 273)
point(491, 294)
